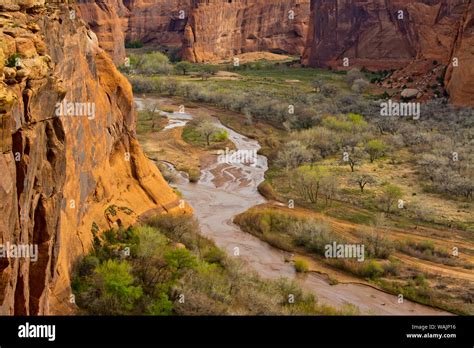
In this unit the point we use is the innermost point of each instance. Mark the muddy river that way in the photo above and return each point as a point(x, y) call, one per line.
point(227, 189)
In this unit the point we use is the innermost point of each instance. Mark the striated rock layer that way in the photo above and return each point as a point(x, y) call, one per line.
point(158, 22)
point(151, 22)
point(422, 37)
point(63, 177)
point(205, 30)
point(460, 80)
point(109, 20)
point(218, 29)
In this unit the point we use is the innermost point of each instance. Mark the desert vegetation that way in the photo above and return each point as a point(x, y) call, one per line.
point(166, 267)
point(382, 266)
point(331, 153)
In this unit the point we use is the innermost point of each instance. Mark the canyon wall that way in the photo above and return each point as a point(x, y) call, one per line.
point(421, 38)
point(64, 177)
point(109, 20)
point(460, 80)
point(151, 22)
point(218, 29)
point(205, 30)
point(158, 22)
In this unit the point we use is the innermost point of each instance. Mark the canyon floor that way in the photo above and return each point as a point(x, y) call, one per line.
point(225, 190)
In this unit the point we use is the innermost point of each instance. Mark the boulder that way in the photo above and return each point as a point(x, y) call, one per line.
point(410, 93)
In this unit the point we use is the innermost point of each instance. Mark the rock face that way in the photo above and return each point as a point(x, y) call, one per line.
point(109, 20)
point(460, 80)
point(218, 29)
point(64, 175)
point(205, 30)
point(422, 37)
point(151, 22)
point(158, 22)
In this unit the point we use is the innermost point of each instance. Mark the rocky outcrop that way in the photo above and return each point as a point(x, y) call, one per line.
point(109, 20)
point(65, 174)
point(218, 29)
point(419, 37)
point(151, 22)
point(205, 30)
point(158, 22)
point(460, 79)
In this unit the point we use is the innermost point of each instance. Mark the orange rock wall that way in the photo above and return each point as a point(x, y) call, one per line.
point(218, 29)
point(204, 29)
point(371, 35)
point(61, 176)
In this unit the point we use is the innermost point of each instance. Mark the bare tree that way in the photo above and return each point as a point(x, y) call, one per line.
point(354, 157)
point(362, 180)
point(308, 182)
point(150, 109)
point(293, 154)
point(391, 194)
point(328, 186)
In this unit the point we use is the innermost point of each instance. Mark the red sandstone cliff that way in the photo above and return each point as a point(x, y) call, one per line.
point(109, 20)
point(218, 29)
point(152, 22)
point(62, 177)
point(205, 30)
point(423, 42)
point(158, 22)
point(460, 80)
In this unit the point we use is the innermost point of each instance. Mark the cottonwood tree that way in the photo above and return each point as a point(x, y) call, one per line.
point(308, 182)
point(463, 186)
point(390, 195)
point(321, 141)
point(354, 158)
point(207, 129)
point(183, 66)
point(388, 125)
point(360, 85)
point(151, 113)
point(362, 180)
point(429, 162)
point(329, 185)
point(293, 154)
point(375, 149)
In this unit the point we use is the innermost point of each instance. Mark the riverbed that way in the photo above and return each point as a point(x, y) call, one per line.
point(228, 189)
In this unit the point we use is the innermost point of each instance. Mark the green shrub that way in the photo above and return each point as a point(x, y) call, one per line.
point(11, 61)
point(133, 44)
point(214, 255)
point(194, 175)
point(221, 136)
point(179, 260)
point(372, 269)
point(88, 265)
point(183, 67)
point(151, 277)
point(161, 306)
point(151, 63)
point(301, 266)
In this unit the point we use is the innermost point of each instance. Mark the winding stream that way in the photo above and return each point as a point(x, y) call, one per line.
point(225, 190)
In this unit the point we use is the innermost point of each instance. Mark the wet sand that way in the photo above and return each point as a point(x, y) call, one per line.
point(227, 189)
